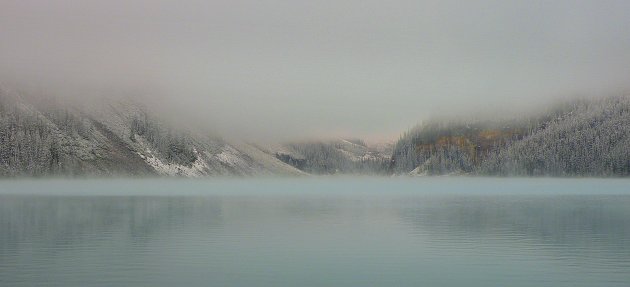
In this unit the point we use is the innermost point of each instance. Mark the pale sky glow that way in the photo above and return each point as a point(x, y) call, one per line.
point(283, 69)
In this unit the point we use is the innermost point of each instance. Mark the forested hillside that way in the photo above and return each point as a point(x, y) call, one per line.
point(40, 136)
point(577, 138)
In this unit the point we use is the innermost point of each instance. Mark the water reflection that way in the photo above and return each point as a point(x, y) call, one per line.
point(568, 240)
point(68, 220)
point(573, 222)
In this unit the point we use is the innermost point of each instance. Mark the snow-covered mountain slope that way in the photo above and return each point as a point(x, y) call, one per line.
point(44, 138)
point(589, 137)
point(334, 156)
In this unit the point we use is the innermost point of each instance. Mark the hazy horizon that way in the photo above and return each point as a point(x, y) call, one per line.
point(277, 70)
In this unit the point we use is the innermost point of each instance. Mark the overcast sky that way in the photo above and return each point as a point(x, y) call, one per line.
point(281, 69)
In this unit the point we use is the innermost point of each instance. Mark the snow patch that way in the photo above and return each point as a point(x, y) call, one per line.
point(198, 168)
point(231, 157)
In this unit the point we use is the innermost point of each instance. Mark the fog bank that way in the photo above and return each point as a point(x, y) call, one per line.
point(274, 70)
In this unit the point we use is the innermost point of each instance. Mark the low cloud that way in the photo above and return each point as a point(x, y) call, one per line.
point(275, 70)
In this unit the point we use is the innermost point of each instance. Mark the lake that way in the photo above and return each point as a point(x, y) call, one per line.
point(329, 231)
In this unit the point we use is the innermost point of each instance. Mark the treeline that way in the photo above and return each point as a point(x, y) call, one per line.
point(592, 139)
point(44, 136)
point(577, 138)
point(32, 142)
point(175, 147)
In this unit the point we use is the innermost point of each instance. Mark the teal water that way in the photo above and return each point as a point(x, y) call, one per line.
point(316, 232)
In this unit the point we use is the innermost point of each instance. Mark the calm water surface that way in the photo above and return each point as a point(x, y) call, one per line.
point(315, 232)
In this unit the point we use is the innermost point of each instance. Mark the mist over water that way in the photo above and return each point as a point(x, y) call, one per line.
point(285, 69)
point(347, 231)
